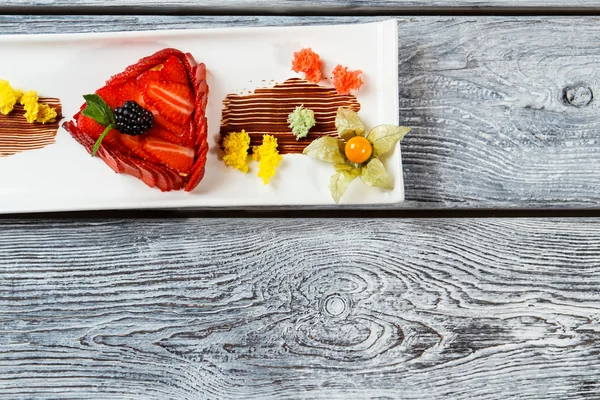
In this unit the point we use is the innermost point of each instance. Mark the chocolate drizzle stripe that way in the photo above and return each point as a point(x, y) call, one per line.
point(265, 111)
point(5, 146)
point(268, 111)
point(24, 144)
point(25, 134)
point(288, 95)
point(17, 135)
point(26, 137)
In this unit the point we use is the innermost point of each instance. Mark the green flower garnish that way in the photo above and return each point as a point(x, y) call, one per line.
point(355, 154)
point(301, 120)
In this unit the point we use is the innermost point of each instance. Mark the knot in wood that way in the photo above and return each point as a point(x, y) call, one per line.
point(336, 306)
point(577, 95)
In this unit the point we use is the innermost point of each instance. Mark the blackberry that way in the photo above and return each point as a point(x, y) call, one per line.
point(133, 119)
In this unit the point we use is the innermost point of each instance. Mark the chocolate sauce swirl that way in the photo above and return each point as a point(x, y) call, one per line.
point(266, 111)
point(16, 134)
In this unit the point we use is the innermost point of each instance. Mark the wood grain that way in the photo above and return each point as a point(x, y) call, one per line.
point(291, 6)
point(502, 108)
point(287, 309)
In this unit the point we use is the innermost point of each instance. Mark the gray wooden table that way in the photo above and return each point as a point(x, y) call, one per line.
point(377, 304)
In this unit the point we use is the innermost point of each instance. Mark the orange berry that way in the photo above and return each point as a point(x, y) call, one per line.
point(358, 149)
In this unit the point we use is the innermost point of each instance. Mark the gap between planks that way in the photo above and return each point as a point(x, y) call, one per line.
point(398, 12)
point(308, 7)
point(338, 213)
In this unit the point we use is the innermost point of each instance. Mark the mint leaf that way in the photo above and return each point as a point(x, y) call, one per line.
point(98, 110)
point(97, 144)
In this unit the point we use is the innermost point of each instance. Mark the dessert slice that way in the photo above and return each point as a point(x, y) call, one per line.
point(158, 129)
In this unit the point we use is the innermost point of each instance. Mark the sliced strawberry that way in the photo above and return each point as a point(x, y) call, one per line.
point(116, 160)
point(73, 129)
point(134, 146)
point(117, 95)
point(111, 157)
point(189, 135)
point(161, 175)
point(202, 96)
point(197, 172)
point(148, 177)
point(200, 73)
point(89, 126)
point(149, 76)
point(144, 64)
point(195, 176)
point(88, 143)
point(110, 160)
point(173, 71)
point(191, 67)
point(113, 139)
point(159, 120)
point(172, 155)
point(174, 178)
point(165, 134)
point(128, 164)
point(162, 180)
point(78, 134)
point(174, 101)
point(94, 130)
point(147, 171)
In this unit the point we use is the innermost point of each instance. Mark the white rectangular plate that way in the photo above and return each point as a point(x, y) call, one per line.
point(63, 176)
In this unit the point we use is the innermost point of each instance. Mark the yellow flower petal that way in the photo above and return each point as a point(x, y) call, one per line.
point(236, 145)
point(268, 158)
point(8, 97)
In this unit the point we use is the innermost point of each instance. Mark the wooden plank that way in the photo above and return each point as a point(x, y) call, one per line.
point(324, 309)
point(293, 6)
point(502, 108)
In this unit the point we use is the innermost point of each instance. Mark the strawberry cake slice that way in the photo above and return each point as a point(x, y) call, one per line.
point(149, 121)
